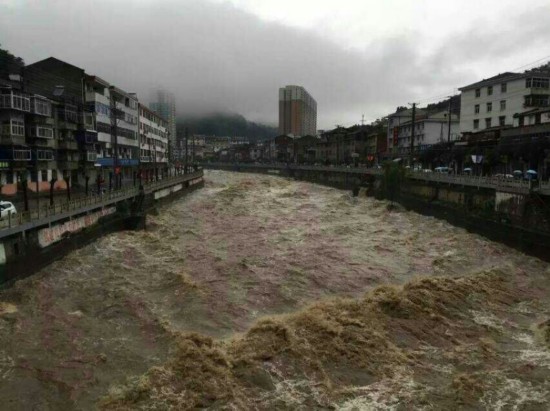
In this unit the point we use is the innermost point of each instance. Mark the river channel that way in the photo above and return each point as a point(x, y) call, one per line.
point(259, 292)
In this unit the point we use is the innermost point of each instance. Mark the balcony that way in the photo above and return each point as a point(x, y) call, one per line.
point(45, 143)
point(536, 101)
point(41, 106)
point(91, 156)
point(12, 132)
point(145, 159)
point(67, 145)
point(86, 137)
point(88, 120)
point(68, 117)
point(15, 101)
point(538, 90)
point(18, 155)
point(41, 131)
point(67, 164)
point(6, 139)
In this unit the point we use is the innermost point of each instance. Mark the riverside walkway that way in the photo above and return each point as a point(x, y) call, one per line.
point(516, 186)
point(44, 216)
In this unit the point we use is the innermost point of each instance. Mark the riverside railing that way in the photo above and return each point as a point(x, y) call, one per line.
point(92, 201)
point(497, 183)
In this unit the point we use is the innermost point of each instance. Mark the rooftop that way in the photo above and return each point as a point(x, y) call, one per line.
point(543, 70)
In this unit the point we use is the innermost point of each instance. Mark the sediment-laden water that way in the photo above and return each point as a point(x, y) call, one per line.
point(258, 292)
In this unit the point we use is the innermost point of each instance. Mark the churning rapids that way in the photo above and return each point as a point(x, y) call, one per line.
point(257, 292)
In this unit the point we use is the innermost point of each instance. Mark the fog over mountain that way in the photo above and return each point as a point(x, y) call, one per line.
point(226, 56)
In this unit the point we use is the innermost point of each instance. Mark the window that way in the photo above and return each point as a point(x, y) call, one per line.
point(476, 124)
point(44, 154)
point(43, 132)
point(503, 87)
point(20, 102)
point(537, 82)
point(490, 90)
point(489, 107)
point(42, 107)
point(502, 105)
point(17, 128)
point(21, 154)
point(476, 109)
point(536, 101)
point(488, 122)
point(478, 92)
point(502, 120)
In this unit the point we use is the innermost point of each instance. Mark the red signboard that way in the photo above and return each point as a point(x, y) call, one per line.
point(117, 170)
point(395, 135)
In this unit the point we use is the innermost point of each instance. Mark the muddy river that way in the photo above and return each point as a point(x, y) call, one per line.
point(259, 292)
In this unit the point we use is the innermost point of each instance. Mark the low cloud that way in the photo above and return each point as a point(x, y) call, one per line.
point(216, 57)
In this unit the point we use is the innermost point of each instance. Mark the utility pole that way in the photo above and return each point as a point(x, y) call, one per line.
point(362, 120)
point(413, 124)
point(186, 148)
point(449, 121)
point(193, 152)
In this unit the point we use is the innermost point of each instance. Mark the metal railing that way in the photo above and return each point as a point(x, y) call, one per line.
point(497, 183)
point(93, 201)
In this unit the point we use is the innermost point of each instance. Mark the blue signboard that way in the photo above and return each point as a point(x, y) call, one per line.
point(123, 162)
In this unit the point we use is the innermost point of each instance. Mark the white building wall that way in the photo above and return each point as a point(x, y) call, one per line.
point(514, 97)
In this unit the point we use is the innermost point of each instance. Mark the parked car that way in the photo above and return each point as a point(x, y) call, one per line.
point(441, 169)
point(6, 208)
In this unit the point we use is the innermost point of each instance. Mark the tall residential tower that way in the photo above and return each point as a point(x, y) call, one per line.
point(297, 112)
point(164, 104)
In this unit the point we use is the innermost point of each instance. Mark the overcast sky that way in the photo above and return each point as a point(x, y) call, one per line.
point(354, 57)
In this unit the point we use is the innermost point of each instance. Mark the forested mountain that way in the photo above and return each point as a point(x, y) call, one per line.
point(222, 124)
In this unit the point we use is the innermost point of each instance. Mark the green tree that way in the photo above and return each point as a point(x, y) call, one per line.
point(9, 64)
point(393, 177)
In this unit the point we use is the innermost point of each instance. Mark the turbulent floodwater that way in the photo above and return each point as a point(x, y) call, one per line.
point(258, 292)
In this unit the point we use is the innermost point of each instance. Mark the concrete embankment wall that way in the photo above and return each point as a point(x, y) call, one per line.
point(521, 221)
point(26, 253)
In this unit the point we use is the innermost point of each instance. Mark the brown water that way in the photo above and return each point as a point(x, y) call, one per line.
point(90, 327)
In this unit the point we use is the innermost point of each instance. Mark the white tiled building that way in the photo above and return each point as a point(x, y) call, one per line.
point(153, 130)
point(493, 102)
point(429, 130)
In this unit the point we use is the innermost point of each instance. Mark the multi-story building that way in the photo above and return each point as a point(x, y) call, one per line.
point(495, 101)
point(297, 112)
point(15, 155)
point(401, 115)
point(96, 133)
point(153, 130)
point(343, 145)
point(429, 130)
point(376, 147)
point(62, 84)
point(164, 104)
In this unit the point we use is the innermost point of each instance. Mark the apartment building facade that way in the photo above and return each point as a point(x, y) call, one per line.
point(153, 143)
point(164, 104)
point(297, 112)
point(60, 126)
point(495, 101)
point(429, 130)
point(395, 120)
